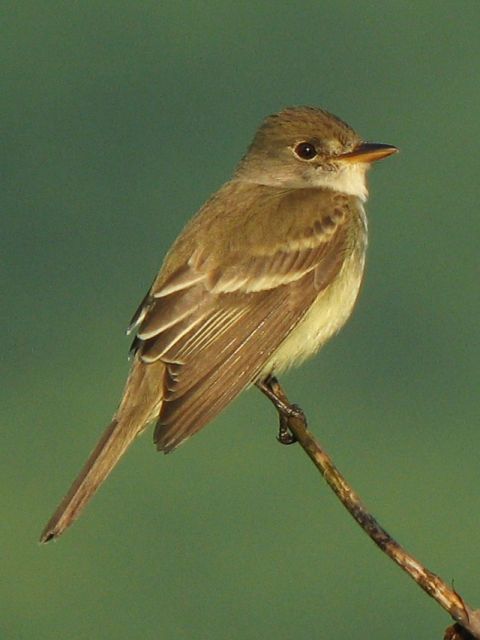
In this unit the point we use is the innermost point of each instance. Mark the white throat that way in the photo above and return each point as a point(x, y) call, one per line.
point(350, 178)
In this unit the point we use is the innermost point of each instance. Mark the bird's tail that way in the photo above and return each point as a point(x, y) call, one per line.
point(140, 403)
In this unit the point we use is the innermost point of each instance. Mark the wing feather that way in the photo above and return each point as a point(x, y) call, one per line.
point(232, 365)
point(228, 350)
point(169, 310)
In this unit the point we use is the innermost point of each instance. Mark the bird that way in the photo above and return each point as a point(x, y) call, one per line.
point(264, 274)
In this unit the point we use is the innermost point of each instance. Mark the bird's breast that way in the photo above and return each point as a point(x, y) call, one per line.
point(328, 313)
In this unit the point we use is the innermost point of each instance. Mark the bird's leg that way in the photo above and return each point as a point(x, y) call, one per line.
point(272, 389)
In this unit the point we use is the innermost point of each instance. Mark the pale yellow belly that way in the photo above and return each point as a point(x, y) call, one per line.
point(324, 319)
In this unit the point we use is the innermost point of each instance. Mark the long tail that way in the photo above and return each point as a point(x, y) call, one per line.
point(141, 401)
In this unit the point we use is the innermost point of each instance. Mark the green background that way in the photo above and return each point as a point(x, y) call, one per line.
point(120, 118)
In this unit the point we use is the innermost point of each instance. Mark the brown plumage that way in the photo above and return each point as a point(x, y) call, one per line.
point(261, 277)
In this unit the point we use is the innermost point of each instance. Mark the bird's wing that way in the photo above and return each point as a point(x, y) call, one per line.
point(215, 328)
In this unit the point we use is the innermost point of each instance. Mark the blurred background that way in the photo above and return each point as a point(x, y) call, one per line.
point(119, 120)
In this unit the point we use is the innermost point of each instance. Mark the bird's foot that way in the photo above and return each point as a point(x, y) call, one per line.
point(286, 411)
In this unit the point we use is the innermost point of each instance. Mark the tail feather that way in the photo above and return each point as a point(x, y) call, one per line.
point(112, 445)
point(140, 404)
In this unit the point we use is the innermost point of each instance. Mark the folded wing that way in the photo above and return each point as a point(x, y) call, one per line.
point(215, 329)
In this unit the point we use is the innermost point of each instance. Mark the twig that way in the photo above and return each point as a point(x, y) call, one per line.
point(293, 419)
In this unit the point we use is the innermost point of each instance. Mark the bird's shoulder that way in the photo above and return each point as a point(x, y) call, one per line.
point(244, 221)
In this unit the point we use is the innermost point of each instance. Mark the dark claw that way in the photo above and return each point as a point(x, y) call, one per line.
point(296, 412)
point(285, 436)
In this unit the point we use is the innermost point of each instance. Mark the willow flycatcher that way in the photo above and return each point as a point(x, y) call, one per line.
point(265, 273)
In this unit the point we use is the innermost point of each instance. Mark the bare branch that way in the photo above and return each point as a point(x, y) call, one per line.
point(293, 420)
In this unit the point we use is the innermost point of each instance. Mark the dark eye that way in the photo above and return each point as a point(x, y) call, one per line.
point(305, 150)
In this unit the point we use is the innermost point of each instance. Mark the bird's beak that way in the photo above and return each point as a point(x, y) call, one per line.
point(368, 152)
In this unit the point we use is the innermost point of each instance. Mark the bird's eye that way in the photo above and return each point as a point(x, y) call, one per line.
point(305, 150)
